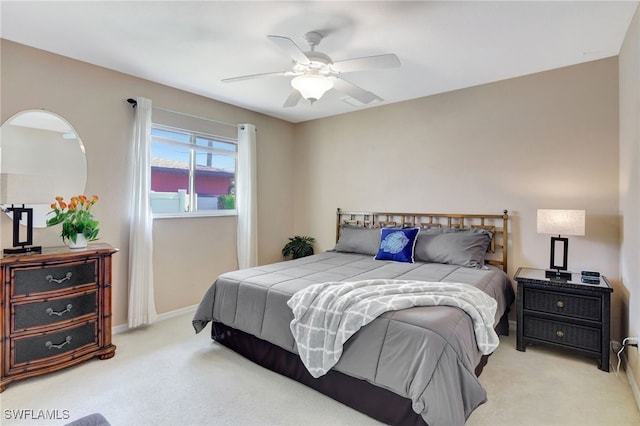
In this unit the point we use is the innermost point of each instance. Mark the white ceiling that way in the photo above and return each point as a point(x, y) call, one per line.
point(442, 46)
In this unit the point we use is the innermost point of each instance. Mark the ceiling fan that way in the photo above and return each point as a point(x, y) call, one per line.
point(314, 73)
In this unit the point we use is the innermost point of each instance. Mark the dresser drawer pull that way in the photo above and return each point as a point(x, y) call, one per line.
point(50, 345)
point(560, 333)
point(50, 311)
point(59, 281)
point(560, 304)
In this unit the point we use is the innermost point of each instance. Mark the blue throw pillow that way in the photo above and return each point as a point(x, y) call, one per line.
point(397, 244)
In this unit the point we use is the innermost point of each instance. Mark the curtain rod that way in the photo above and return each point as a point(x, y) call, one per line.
point(134, 104)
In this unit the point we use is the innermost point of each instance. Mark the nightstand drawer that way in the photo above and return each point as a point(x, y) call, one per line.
point(51, 278)
point(577, 336)
point(571, 305)
point(52, 311)
point(52, 344)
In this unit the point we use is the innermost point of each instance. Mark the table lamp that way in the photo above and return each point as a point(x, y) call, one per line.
point(19, 194)
point(21, 243)
point(560, 222)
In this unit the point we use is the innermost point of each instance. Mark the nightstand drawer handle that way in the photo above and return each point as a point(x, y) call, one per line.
point(560, 333)
point(59, 281)
point(560, 304)
point(50, 345)
point(50, 311)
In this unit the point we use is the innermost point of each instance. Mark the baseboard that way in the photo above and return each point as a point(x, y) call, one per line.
point(161, 317)
point(119, 329)
point(632, 381)
point(177, 312)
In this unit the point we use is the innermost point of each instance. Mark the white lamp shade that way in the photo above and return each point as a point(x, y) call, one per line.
point(312, 86)
point(561, 222)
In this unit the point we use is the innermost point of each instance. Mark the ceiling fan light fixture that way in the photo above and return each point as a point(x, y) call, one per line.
point(312, 86)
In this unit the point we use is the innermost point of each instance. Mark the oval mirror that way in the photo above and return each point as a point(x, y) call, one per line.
point(41, 157)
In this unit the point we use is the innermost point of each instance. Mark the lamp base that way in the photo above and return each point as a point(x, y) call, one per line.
point(557, 274)
point(22, 250)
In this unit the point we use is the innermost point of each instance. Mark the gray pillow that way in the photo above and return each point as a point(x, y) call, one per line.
point(355, 239)
point(466, 247)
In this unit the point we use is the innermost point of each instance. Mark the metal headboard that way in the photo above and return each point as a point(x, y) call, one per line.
point(496, 223)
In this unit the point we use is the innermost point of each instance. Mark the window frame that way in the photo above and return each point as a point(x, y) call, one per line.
point(193, 147)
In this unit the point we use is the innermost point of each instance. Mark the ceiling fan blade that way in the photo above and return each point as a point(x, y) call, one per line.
point(369, 62)
point(293, 99)
point(291, 48)
point(354, 91)
point(252, 76)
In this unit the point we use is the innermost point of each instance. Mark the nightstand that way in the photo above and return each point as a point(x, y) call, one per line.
point(564, 313)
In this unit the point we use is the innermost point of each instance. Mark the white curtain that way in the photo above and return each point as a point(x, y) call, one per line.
point(246, 197)
point(141, 301)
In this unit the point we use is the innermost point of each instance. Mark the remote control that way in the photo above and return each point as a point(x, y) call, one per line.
point(590, 274)
point(589, 280)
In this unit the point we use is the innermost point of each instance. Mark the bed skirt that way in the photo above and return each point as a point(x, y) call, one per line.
point(379, 403)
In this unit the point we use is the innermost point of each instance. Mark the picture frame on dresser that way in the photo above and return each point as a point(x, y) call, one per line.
point(566, 313)
point(55, 310)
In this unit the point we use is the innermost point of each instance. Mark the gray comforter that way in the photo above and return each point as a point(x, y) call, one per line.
point(427, 354)
point(327, 315)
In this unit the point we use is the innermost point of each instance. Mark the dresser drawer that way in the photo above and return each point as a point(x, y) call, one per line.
point(576, 336)
point(52, 311)
point(53, 277)
point(571, 305)
point(52, 344)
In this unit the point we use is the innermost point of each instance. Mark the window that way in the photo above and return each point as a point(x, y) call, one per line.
point(191, 173)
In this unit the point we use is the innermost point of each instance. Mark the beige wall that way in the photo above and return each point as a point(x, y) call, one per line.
point(630, 188)
point(188, 254)
point(548, 140)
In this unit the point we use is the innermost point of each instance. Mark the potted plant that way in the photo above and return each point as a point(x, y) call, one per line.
point(78, 224)
point(298, 246)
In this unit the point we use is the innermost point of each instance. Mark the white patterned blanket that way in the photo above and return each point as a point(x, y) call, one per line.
point(326, 315)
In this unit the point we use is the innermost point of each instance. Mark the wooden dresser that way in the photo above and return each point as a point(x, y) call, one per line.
point(55, 310)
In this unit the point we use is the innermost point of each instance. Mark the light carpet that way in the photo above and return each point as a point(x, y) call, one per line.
point(167, 375)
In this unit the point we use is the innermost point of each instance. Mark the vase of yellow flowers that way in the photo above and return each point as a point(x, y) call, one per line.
point(78, 224)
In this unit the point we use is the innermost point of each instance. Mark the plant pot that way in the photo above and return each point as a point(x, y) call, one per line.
point(81, 242)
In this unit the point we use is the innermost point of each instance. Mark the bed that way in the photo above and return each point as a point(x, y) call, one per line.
point(418, 365)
